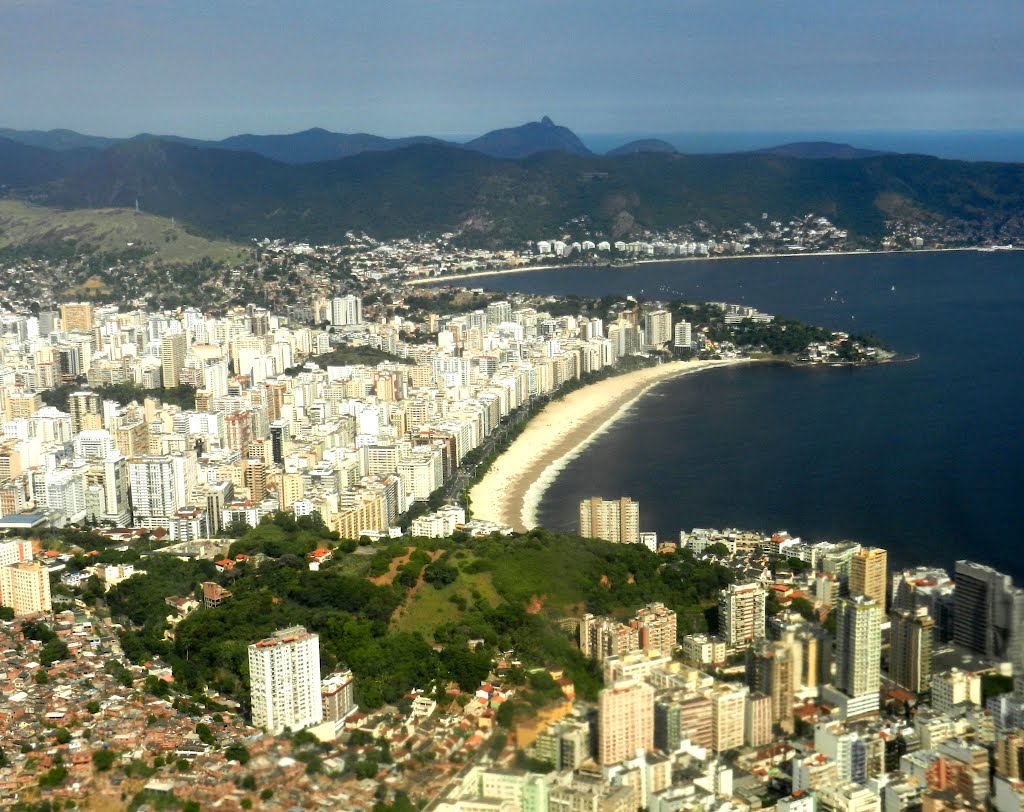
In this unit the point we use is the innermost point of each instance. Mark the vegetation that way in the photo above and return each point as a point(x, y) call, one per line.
point(506, 593)
point(348, 355)
point(62, 234)
point(182, 396)
point(430, 188)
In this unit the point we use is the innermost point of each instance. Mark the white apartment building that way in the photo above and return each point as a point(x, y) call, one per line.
point(13, 552)
point(440, 524)
point(284, 681)
point(615, 520)
point(954, 690)
point(728, 716)
point(346, 310)
point(421, 472)
point(683, 337)
point(160, 485)
point(657, 328)
point(741, 614)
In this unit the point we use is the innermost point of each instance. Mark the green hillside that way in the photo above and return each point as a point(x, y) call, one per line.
point(111, 231)
point(403, 616)
point(431, 188)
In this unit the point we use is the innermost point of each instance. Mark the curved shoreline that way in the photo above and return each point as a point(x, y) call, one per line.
point(512, 489)
point(441, 280)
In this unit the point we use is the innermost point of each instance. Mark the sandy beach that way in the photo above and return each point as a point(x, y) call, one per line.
point(511, 491)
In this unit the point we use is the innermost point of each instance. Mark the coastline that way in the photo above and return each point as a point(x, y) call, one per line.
point(435, 280)
point(511, 490)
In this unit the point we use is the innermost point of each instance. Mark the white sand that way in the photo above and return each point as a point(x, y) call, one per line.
point(511, 491)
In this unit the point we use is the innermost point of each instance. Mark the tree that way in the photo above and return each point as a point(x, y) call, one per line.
point(53, 650)
point(205, 734)
point(103, 759)
point(804, 608)
point(237, 752)
point(53, 777)
point(62, 735)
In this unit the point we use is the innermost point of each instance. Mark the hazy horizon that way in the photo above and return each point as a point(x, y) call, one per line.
point(213, 70)
point(971, 145)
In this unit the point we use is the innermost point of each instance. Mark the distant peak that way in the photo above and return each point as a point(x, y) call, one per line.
point(547, 122)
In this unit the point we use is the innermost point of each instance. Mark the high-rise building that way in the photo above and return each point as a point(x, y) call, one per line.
point(277, 438)
point(773, 669)
point(859, 651)
point(616, 520)
point(498, 313)
point(254, 477)
point(336, 694)
point(625, 338)
point(13, 552)
point(76, 316)
point(284, 681)
point(910, 650)
point(603, 637)
point(82, 406)
point(728, 716)
point(657, 328)
point(683, 337)
point(741, 614)
point(23, 404)
point(757, 724)
point(160, 485)
point(656, 625)
point(25, 588)
point(564, 745)
point(988, 612)
point(869, 575)
point(954, 690)
point(625, 721)
point(173, 347)
point(346, 310)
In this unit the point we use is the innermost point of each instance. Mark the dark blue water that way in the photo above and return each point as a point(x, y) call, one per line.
point(924, 458)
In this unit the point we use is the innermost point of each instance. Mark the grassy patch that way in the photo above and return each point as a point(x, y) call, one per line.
point(110, 230)
point(430, 607)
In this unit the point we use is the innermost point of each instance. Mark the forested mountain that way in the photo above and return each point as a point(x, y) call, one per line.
point(434, 187)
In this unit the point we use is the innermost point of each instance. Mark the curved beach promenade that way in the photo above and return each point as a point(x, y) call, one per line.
point(511, 490)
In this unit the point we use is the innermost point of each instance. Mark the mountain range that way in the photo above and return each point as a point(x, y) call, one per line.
point(499, 189)
point(317, 144)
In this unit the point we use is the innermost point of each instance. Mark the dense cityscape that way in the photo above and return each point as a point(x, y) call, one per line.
point(165, 472)
point(534, 407)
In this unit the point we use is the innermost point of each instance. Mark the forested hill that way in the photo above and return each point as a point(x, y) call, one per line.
point(401, 616)
point(431, 188)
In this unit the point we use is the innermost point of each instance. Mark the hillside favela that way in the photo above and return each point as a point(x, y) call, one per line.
point(668, 464)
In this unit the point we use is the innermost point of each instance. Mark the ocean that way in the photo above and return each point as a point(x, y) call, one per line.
point(925, 458)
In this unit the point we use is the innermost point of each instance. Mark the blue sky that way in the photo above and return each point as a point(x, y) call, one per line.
point(215, 68)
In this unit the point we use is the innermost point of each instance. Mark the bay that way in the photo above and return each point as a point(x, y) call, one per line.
point(924, 458)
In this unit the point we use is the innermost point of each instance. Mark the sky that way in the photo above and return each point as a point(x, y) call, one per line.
point(401, 67)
